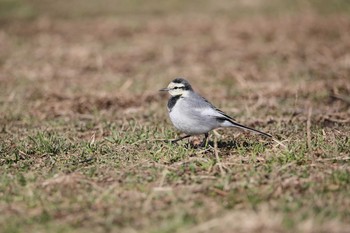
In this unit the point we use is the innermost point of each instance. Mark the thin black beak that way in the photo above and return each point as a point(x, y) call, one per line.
point(164, 89)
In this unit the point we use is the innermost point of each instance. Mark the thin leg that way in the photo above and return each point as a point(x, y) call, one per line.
point(179, 139)
point(205, 141)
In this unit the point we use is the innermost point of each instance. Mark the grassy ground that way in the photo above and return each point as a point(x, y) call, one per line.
point(81, 116)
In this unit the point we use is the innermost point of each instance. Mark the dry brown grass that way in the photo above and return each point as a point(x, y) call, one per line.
point(81, 117)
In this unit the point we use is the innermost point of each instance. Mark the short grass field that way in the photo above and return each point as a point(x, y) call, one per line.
point(82, 123)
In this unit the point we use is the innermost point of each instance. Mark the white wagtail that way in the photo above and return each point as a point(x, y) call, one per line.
point(193, 115)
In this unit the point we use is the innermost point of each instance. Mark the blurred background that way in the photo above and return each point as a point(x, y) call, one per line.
point(132, 46)
point(240, 49)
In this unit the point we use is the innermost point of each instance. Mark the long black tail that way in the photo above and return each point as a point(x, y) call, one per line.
point(248, 128)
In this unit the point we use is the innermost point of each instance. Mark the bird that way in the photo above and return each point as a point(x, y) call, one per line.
point(192, 114)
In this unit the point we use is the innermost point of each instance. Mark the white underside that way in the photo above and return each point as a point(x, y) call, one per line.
point(193, 120)
point(187, 125)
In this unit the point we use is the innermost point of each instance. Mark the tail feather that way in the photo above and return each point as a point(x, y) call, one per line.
point(235, 124)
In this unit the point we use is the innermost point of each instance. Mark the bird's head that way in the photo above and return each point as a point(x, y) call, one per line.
point(178, 87)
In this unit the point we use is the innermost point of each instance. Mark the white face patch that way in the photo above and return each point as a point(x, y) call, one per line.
point(176, 89)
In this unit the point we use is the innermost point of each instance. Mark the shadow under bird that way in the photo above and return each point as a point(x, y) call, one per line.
point(194, 115)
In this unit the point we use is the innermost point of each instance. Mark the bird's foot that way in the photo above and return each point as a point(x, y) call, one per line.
point(204, 144)
point(173, 142)
point(205, 141)
point(170, 141)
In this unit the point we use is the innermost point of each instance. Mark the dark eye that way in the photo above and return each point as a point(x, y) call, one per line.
point(176, 87)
